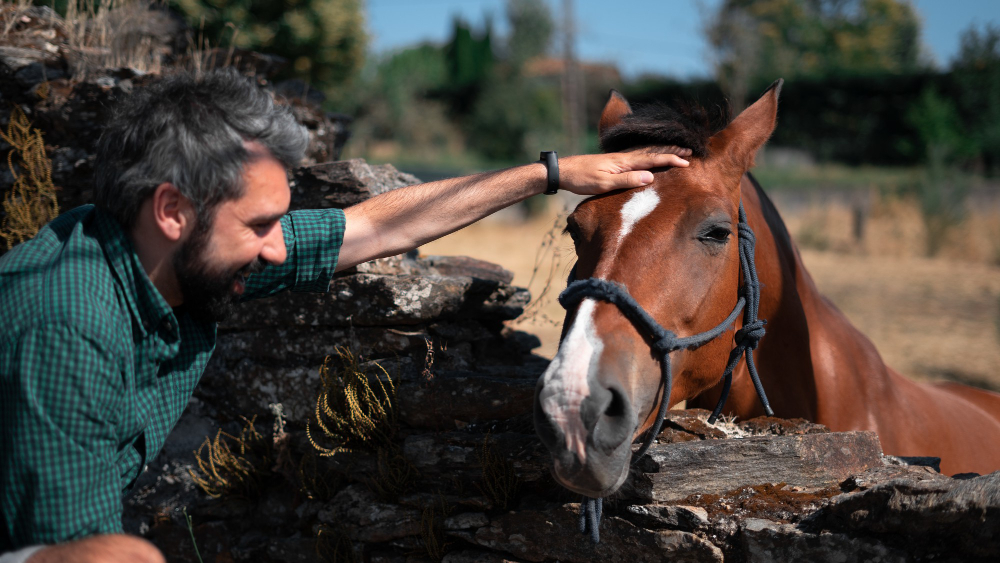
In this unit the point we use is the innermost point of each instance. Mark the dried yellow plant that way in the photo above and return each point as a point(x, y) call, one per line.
point(103, 34)
point(333, 545)
point(394, 474)
point(31, 202)
point(317, 483)
point(432, 530)
point(354, 409)
point(221, 470)
point(500, 482)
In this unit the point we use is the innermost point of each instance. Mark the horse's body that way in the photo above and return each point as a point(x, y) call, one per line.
point(670, 246)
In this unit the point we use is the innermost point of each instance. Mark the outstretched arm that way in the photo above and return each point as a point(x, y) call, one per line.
point(403, 219)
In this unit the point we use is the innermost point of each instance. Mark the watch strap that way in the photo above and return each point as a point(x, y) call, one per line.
point(551, 161)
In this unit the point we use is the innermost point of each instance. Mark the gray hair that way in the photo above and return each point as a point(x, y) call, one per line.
point(192, 133)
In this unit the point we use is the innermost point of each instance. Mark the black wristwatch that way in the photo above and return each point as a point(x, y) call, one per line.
point(551, 161)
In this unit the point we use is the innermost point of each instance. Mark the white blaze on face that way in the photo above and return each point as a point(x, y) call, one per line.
point(565, 380)
point(641, 204)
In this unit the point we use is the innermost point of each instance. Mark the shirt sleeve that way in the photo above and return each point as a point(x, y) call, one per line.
point(312, 240)
point(58, 476)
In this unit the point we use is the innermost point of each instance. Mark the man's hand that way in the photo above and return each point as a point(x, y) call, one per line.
point(112, 548)
point(592, 174)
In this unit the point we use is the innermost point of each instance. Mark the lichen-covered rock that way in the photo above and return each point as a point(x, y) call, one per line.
point(542, 535)
point(358, 512)
point(388, 300)
point(477, 556)
point(769, 542)
point(941, 517)
point(344, 183)
point(457, 397)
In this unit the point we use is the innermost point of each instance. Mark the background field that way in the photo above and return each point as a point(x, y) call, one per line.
point(931, 318)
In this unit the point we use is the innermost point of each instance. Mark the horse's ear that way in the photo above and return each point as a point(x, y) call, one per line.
point(616, 108)
point(741, 140)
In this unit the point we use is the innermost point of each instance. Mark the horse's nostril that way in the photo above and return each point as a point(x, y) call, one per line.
point(617, 406)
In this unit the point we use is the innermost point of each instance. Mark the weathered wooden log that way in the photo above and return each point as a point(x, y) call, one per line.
point(811, 461)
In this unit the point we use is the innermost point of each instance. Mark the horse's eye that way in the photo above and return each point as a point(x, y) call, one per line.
point(716, 235)
point(572, 232)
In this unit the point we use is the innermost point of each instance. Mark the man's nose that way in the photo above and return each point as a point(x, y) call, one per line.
point(274, 251)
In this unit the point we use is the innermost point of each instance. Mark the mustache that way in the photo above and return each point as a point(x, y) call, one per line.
point(254, 267)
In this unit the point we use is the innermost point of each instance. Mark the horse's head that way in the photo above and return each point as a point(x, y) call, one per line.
point(673, 246)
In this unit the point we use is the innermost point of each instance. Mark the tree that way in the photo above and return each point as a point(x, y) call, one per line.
point(942, 191)
point(531, 29)
point(511, 107)
point(324, 40)
point(755, 42)
point(976, 70)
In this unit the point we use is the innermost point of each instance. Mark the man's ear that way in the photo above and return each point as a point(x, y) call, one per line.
point(173, 213)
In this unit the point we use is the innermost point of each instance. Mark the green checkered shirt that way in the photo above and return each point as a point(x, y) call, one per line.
point(96, 368)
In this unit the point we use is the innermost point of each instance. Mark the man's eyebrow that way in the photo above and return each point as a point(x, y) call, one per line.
point(266, 218)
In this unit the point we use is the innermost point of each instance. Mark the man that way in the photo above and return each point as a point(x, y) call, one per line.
point(110, 312)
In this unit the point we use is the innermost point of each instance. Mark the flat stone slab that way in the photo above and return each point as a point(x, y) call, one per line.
point(811, 461)
point(387, 300)
point(546, 535)
point(344, 183)
point(952, 519)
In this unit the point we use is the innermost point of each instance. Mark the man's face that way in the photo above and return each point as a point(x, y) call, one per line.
point(212, 264)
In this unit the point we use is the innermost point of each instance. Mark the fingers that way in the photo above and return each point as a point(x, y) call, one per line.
point(645, 160)
point(674, 149)
point(596, 174)
point(634, 179)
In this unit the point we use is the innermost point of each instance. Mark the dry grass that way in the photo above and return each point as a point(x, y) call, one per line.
point(500, 483)
point(394, 476)
point(432, 530)
point(31, 202)
point(316, 481)
point(333, 545)
point(355, 409)
point(11, 14)
point(105, 34)
point(225, 469)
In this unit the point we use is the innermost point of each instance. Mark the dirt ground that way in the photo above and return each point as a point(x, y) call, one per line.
point(931, 318)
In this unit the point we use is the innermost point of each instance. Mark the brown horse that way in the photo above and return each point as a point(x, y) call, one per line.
point(673, 247)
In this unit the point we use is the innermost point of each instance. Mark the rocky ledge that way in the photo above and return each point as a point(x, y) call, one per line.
point(761, 490)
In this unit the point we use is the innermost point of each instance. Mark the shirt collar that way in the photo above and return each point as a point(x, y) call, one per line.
point(150, 311)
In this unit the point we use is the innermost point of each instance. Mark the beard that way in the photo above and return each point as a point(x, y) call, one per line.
point(210, 293)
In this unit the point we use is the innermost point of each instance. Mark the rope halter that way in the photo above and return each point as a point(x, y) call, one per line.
point(663, 342)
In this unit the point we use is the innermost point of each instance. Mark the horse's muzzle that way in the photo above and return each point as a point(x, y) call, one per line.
point(590, 447)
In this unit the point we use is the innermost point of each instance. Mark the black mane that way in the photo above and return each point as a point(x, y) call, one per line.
point(685, 125)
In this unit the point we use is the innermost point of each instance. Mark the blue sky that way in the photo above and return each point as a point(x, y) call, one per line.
point(661, 36)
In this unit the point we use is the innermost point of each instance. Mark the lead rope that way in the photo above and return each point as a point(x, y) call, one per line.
point(665, 341)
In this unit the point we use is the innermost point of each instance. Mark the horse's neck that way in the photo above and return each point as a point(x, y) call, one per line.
point(784, 356)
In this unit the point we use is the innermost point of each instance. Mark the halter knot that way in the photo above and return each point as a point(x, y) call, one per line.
point(666, 343)
point(746, 233)
point(750, 335)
